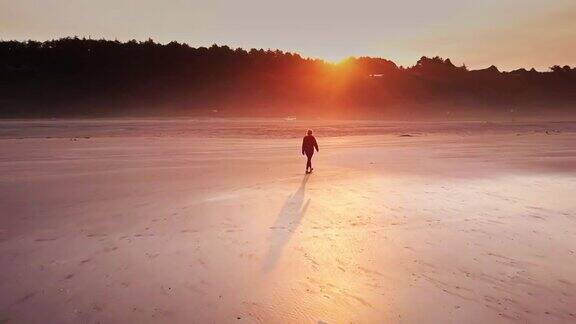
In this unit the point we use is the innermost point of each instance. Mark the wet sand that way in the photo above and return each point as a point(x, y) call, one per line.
point(214, 221)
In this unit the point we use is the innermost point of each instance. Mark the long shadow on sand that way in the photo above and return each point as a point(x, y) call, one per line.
point(286, 224)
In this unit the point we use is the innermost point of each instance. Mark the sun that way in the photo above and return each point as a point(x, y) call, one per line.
point(338, 61)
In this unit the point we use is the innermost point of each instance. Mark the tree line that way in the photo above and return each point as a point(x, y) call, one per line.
point(73, 77)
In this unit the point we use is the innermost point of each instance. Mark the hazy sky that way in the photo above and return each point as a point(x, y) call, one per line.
point(507, 33)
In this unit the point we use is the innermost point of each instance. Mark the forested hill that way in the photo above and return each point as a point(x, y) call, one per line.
point(73, 77)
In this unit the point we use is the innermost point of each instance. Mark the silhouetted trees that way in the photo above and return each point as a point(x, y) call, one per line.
point(85, 77)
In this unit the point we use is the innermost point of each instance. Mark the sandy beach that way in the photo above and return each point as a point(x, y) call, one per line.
point(195, 221)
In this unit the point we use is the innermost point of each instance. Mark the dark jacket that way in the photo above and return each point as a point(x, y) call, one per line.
point(308, 144)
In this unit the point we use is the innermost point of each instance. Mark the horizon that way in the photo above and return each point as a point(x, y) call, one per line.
point(509, 35)
point(335, 63)
point(73, 76)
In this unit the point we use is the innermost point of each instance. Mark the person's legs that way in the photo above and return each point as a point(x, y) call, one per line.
point(309, 162)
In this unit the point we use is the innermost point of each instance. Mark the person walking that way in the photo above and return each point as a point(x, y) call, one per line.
point(308, 145)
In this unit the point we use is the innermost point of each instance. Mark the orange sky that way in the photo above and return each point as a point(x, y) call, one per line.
point(507, 33)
